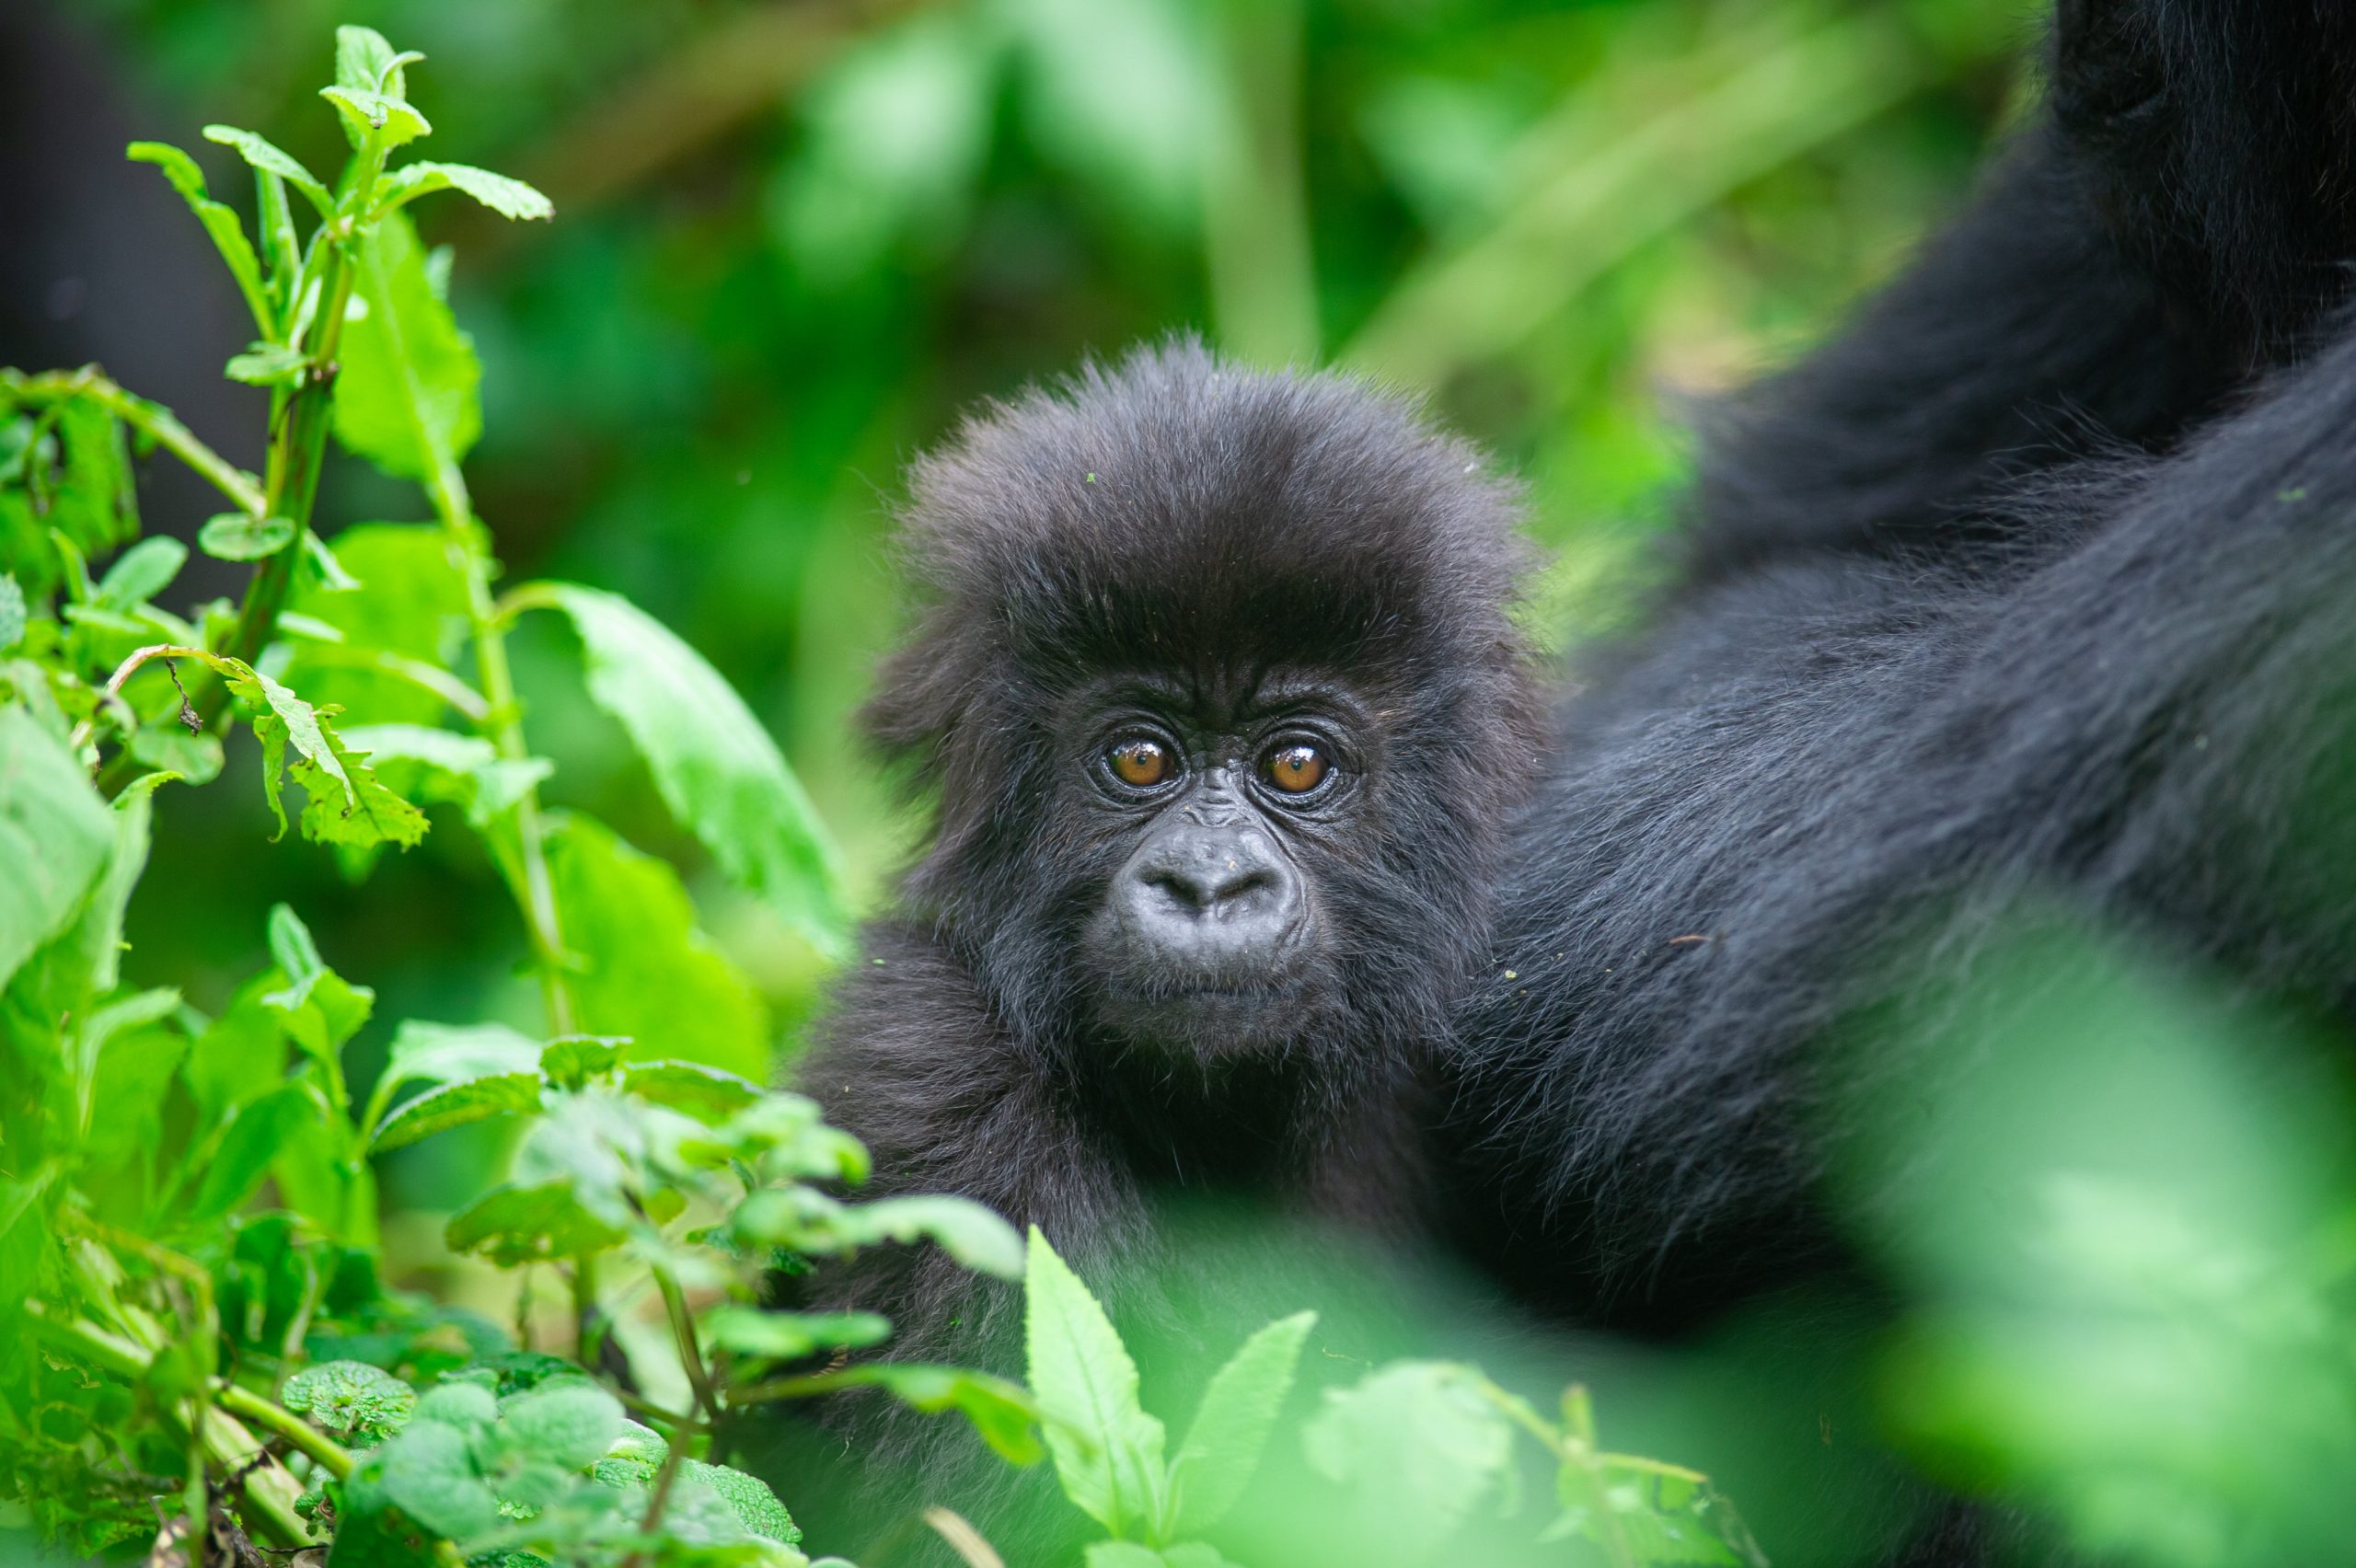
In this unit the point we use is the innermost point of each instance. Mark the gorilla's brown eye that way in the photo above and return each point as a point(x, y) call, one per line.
point(1140, 764)
point(1297, 770)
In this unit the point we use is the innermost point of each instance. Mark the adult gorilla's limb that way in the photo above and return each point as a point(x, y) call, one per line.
point(2155, 722)
point(2220, 139)
point(2021, 337)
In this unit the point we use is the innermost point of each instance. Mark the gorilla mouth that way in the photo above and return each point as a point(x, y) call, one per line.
point(1209, 1016)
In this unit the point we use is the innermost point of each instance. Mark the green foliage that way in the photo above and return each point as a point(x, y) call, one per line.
point(189, 1238)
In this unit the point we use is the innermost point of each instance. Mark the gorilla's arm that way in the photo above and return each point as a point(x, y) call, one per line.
point(2153, 722)
point(2175, 220)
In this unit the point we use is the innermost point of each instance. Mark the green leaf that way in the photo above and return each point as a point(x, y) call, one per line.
point(789, 1336)
point(364, 61)
point(718, 770)
point(429, 1473)
point(571, 1061)
point(13, 615)
point(413, 603)
point(1418, 1443)
point(644, 970)
point(381, 115)
point(1123, 1554)
point(529, 1224)
point(708, 1094)
point(141, 572)
point(256, 1133)
point(347, 1399)
point(1231, 1430)
point(268, 365)
point(407, 395)
point(93, 505)
point(569, 1425)
point(508, 198)
point(1107, 1449)
point(55, 837)
point(458, 1105)
point(346, 805)
point(264, 156)
point(233, 536)
point(1002, 1414)
point(965, 1230)
point(748, 1498)
point(228, 234)
point(318, 1008)
point(449, 1053)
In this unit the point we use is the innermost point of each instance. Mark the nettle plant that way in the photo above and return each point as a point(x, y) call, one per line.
point(193, 1336)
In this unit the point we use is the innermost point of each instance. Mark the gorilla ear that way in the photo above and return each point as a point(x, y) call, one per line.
point(923, 691)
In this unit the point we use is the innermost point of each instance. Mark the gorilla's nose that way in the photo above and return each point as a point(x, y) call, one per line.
point(1221, 900)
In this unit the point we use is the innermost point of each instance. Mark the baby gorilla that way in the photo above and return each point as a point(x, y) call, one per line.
point(1216, 689)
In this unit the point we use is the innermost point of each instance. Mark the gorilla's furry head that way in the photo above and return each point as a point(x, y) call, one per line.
point(1217, 679)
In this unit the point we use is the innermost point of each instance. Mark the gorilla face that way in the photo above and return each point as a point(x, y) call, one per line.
point(1214, 928)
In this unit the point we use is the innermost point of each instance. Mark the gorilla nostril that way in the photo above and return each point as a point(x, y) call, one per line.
point(1205, 889)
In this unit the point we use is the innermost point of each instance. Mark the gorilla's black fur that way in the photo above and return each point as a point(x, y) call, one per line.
point(1212, 545)
point(2034, 588)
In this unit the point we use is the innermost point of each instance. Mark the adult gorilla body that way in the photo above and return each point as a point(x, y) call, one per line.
point(2039, 579)
point(2035, 590)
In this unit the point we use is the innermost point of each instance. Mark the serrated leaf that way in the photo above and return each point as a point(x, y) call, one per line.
point(567, 1424)
point(1230, 1428)
point(449, 1053)
point(1418, 1445)
point(428, 1472)
point(749, 1498)
point(458, 1105)
point(346, 1399)
point(407, 395)
point(1108, 1451)
point(381, 115)
point(965, 1230)
point(262, 155)
point(508, 198)
point(346, 803)
point(234, 536)
point(529, 1224)
point(1003, 1415)
point(228, 234)
point(718, 770)
point(708, 1094)
point(789, 1336)
point(645, 972)
point(55, 837)
point(141, 572)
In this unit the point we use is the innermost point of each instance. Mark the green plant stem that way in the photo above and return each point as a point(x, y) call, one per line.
point(230, 1450)
point(503, 723)
point(584, 1309)
point(151, 420)
point(298, 1433)
point(683, 1330)
point(299, 421)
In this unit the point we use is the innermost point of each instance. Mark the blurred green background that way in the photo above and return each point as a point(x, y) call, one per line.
point(792, 240)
